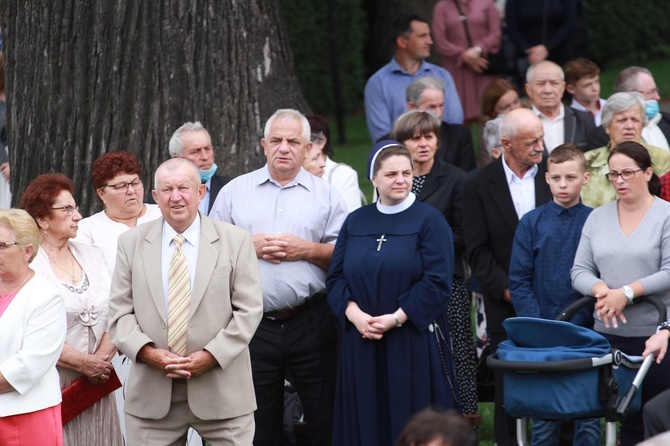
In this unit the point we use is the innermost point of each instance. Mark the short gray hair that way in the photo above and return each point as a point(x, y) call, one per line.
point(415, 90)
point(288, 113)
point(175, 163)
point(531, 70)
point(491, 133)
point(626, 80)
point(175, 146)
point(619, 103)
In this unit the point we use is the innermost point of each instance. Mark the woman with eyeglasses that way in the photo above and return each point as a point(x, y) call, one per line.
point(117, 182)
point(624, 253)
point(32, 332)
point(623, 119)
point(80, 273)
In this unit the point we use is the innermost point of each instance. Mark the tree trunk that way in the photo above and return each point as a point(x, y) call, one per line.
point(88, 77)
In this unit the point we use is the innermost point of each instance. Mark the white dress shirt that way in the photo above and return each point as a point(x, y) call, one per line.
point(598, 114)
point(554, 129)
point(189, 248)
point(653, 136)
point(521, 189)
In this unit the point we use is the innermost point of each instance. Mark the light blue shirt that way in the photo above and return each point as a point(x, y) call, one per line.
point(204, 204)
point(385, 97)
point(306, 207)
point(189, 248)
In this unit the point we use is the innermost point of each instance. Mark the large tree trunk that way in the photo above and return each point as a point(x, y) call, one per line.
point(89, 77)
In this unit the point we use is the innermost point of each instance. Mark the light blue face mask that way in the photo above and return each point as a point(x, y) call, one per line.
point(651, 109)
point(205, 175)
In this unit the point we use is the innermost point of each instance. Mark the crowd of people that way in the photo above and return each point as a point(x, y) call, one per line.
point(182, 319)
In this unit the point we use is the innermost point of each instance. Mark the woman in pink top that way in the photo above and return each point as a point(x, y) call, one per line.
point(463, 57)
point(32, 332)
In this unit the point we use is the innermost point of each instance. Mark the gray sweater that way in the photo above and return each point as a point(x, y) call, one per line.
point(605, 254)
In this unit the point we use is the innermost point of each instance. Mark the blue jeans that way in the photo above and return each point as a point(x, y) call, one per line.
point(547, 433)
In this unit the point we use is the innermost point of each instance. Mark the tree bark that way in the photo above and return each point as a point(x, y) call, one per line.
point(88, 77)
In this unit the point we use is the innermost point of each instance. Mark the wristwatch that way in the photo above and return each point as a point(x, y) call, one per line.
point(630, 294)
point(664, 326)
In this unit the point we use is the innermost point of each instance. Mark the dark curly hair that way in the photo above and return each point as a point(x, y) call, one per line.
point(41, 194)
point(112, 164)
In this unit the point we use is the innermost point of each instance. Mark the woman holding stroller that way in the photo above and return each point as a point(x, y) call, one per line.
point(624, 253)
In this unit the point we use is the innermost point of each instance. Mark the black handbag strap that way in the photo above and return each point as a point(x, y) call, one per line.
point(464, 21)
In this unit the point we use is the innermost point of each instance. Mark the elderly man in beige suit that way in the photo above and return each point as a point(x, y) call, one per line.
point(186, 300)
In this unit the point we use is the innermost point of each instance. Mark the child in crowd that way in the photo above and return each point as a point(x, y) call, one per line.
point(582, 79)
point(544, 249)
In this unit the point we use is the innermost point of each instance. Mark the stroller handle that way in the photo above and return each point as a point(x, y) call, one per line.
point(566, 365)
point(567, 314)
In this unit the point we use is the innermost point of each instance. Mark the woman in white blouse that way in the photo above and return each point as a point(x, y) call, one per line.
point(32, 332)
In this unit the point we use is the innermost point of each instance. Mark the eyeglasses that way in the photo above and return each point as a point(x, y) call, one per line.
point(124, 186)
point(4, 246)
point(69, 209)
point(627, 174)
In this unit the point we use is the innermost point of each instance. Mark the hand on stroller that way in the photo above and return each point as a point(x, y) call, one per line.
point(657, 344)
point(610, 305)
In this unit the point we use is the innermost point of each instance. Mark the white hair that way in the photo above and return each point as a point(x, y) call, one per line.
point(288, 113)
point(491, 133)
point(175, 163)
point(531, 70)
point(619, 103)
point(176, 146)
point(414, 91)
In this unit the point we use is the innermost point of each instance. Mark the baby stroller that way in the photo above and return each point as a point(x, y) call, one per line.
point(554, 370)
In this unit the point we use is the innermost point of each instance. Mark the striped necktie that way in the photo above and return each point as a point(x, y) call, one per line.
point(179, 299)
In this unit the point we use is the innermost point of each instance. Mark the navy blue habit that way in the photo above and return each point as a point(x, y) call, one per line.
point(380, 384)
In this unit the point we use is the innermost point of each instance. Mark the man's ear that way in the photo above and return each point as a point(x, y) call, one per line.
point(570, 89)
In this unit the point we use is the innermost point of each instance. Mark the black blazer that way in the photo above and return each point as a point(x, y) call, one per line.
point(456, 146)
point(600, 138)
point(578, 126)
point(443, 189)
point(218, 181)
point(489, 223)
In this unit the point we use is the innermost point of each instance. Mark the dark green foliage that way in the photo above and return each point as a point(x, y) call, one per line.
point(624, 31)
point(306, 22)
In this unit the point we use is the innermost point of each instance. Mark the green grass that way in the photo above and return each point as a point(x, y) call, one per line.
point(659, 68)
point(355, 151)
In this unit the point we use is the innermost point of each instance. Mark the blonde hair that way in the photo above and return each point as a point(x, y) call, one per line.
point(23, 226)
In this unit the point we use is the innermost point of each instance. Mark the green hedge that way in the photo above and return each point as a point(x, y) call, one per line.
point(625, 31)
point(306, 22)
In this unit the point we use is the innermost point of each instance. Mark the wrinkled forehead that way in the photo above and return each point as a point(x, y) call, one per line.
point(285, 128)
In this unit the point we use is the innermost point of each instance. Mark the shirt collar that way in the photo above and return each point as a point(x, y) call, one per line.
point(396, 68)
point(303, 178)
point(510, 175)
point(191, 234)
point(561, 113)
point(397, 208)
point(558, 209)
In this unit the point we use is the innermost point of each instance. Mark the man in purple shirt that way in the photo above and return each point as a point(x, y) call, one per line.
point(385, 91)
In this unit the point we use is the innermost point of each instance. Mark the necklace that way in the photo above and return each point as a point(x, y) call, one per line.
point(70, 273)
point(7, 295)
point(383, 239)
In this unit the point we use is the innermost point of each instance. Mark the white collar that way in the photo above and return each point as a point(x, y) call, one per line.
point(510, 175)
point(397, 208)
point(561, 113)
point(191, 234)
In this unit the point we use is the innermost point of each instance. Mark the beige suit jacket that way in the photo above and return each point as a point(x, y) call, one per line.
point(226, 308)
